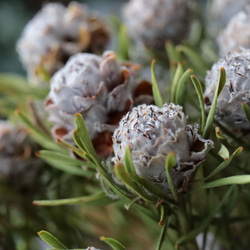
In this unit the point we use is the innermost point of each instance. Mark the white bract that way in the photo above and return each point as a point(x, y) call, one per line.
point(236, 91)
point(54, 34)
point(237, 33)
point(151, 133)
point(96, 87)
point(154, 22)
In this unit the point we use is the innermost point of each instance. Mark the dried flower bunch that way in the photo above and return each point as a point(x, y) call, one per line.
point(151, 133)
point(99, 88)
point(237, 32)
point(56, 33)
point(221, 12)
point(17, 156)
point(237, 89)
point(152, 23)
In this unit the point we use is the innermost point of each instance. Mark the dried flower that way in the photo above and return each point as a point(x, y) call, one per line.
point(154, 22)
point(99, 88)
point(56, 33)
point(220, 13)
point(19, 165)
point(237, 32)
point(236, 91)
point(151, 133)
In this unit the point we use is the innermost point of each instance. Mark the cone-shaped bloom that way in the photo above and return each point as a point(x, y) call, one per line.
point(99, 88)
point(151, 133)
point(19, 165)
point(237, 32)
point(236, 91)
point(154, 22)
point(54, 34)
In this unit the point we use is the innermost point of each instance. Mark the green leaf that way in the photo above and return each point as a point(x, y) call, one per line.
point(170, 163)
point(156, 91)
point(128, 162)
point(97, 198)
point(219, 134)
point(127, 180)
point(246, 109)
point(173, 56)
point(238, 179)
point(210, 118)
point(114, 244)
point(203, 224)
point(16, 85)
point(38, 135)
point(82, 139)
point(224, 164)
point(199, 92)
point(51, 240)
point(223, 153)
point(195, 59)
point(63, 159)
point(177, 77)
point(180, 89)
point(123, 43)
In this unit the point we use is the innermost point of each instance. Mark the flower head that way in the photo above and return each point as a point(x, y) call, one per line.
point(221, 12)
point(237, 32)
point(151, 133)
point(56, 33)
point(19, 165)
point(154, 22)
point(236, 91)
point(99, 88)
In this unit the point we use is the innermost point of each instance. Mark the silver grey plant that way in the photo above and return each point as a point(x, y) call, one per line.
point(151, 133)
point(220, 13)
point(54, 34)
point(19, 166)
point(236, 91)
point(99, 88)
point(237, 32)
point(154, 22)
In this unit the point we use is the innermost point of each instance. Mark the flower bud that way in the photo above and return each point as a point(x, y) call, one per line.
point(56, 33)
point(152, 133)
point(236, 91)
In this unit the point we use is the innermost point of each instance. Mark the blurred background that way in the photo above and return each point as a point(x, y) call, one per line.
point(15, 14)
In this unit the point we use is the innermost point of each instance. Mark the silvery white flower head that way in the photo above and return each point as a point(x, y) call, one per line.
point(237, 32)
point(99, 88)
point(54, 34)
point(153, 22)
point(151, 133)
point(19, 165)
point(220, 13)
point(236, 91)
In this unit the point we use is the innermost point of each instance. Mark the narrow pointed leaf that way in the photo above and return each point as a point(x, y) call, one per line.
point(223, 153)
point(219, 134)
point(238, 179)
point(38, 135)
point(177, 76)
point(114, 244)
point(128, 162)
point(91, 199)
point(123, 43)
point(195, 59)
point(170, 163)
point(156, 91)
point(199, 92)
point(210, 118)
point(51, 240)
point(224, 164)
point(127, 180)
point(180, 90)
point(246, 109)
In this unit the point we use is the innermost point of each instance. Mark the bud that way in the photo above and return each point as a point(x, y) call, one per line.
point(56, 33)
point(151, 133)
